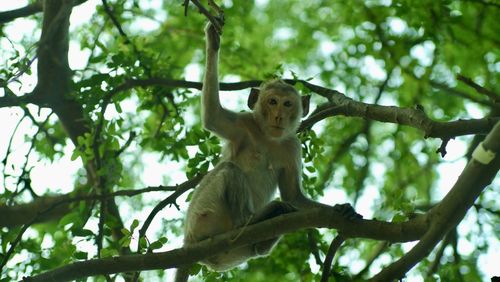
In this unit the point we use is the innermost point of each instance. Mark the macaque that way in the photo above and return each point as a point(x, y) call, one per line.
point(261, 154)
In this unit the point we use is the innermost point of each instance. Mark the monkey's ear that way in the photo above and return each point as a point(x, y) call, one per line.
point(305, 105)
point(253, 97)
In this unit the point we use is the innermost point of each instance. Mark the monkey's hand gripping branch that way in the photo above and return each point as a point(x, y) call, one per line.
point(213, 33)
point(216, 21)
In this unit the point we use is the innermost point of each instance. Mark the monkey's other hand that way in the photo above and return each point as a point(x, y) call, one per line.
point(347, 211)
point(213, 31)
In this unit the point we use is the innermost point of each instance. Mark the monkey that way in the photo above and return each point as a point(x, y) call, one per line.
point(262, 153)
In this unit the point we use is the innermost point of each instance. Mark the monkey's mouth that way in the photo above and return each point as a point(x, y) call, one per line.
point(277, 127)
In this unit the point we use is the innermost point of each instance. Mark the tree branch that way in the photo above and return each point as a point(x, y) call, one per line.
point(167, 201)
point(327, 265)
point(54, 89)
point(53, 207)
point(342, 105)
point(317, 218)
point(492, 95)
point(403, 116)
point(379, 249)
point(461, 94)
point(433, 267)
point(60, 205)
point(25, 11)
point(16, 101)
point(20, 214)
point(207, 14)
point(451, 210)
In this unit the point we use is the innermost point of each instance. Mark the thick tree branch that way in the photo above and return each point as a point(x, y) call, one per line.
point(23, 213)
point(342, 105)
point(48, 207)
point(451, 210)
point(54, 89)
point(25, 11)
point(54, 207)
point(317, 218)
point(54, 74)
point(403, 116)
point(16, 101)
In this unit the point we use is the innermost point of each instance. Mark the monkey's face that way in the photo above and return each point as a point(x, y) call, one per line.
point(278, 113)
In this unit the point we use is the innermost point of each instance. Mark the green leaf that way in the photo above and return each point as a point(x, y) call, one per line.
point(399, 217)
point(143, 243)
point(125, 242)
point(83, 233)
point(163, 240)
point(134, 225)
point(80, 255)
point(106, 253)
point(70, 218)
point(118, 108)
point(204, 166)
point(125, 232)
point(195, 269)
point(75, 154)
point(156, 245)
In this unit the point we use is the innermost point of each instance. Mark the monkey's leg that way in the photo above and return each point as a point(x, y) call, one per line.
point(238, 194)
point(273, 209)
point(235, 197)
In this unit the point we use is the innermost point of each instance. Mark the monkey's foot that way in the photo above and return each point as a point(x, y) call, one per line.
point(347, 211)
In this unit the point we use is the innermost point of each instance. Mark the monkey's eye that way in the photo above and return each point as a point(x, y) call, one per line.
point(287, 104)
point(273, 102)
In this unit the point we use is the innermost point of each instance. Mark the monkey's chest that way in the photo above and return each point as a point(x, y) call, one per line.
point(260, 162)
point(260, 170)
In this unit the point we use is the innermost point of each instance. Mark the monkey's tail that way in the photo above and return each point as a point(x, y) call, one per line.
point(182, 274)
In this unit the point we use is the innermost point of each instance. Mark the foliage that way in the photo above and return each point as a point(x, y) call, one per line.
point(402, 53)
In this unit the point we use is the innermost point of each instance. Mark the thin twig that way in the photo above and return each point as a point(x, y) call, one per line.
point(379, 249)
point(313, 245)
point(125, 146)
point(442, 148)
point(115, 21)
point(170, 200)
point(492, 95)
point(327, 264)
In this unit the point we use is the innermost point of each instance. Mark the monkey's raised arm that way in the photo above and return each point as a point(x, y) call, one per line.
point(223, 122)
